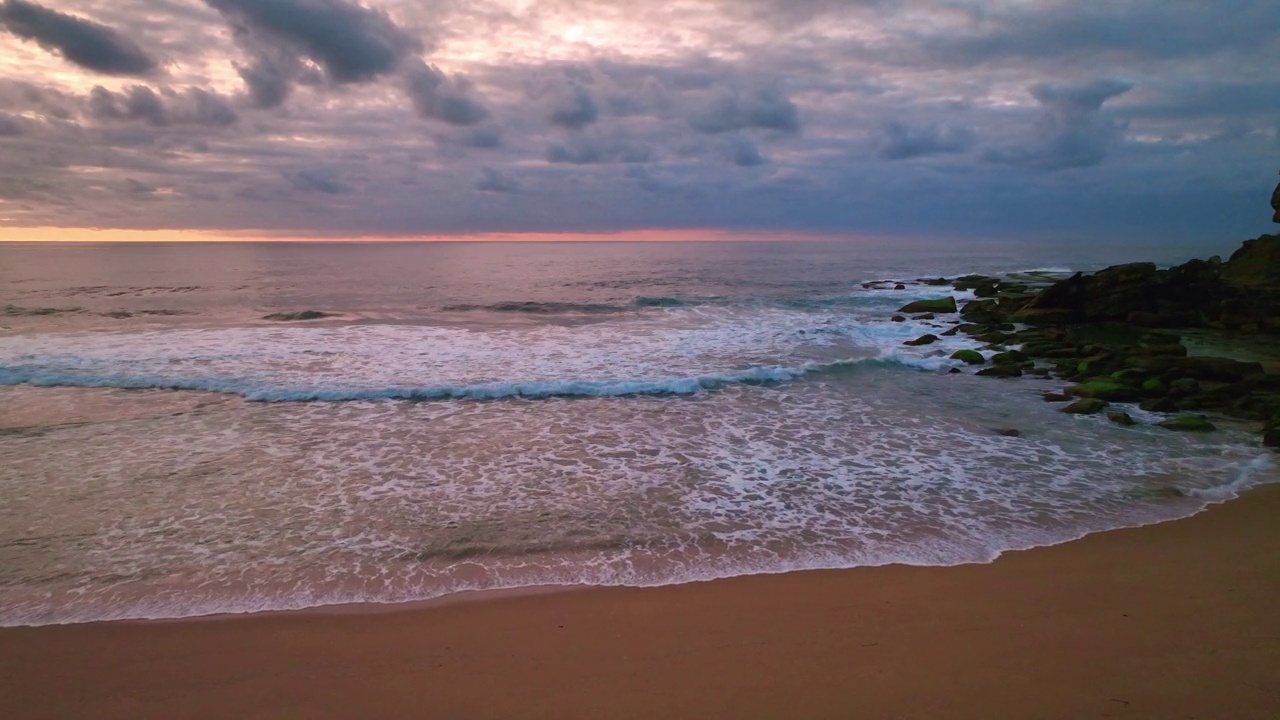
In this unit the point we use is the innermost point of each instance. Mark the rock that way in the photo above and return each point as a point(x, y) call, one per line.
point(1120, 418)
point(1184, 386)
point(1055, 397)
point(953, 371)
point(897, 318)
point(971, 357)
point(969, 282)
point(926, 339)
point(1011, 357)
point(302, 315)
point(1216, 368)
point(1154, 386)
point(1105, 390)
point(1087, 406)
point(934, 281)
point(1193, 423)
point(1007, 432)
point(1255, 265)
point(940, 305)
point(1159, 405)
point(1001, 371)
point(926, 316)
point(983, 311)
point(899, 286)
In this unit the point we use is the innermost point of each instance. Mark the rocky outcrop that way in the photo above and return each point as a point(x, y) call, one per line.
point(1240, 294)
point(940, 305)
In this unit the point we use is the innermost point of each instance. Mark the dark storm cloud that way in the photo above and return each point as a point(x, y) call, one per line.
point(573, 107)
point(1131, 29)
point(744, 153)
point(592, 150)
point(194, 107)
point(87, 44)
point(1072, 131)
point(731, 109)
point(352, 42)
point(496, 182)
point(438, 97)
point(325, 180)
point(901, 141)
point(268, 83)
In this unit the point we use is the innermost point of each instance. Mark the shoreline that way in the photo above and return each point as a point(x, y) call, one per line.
point(1174, 619)
point(1238, 489)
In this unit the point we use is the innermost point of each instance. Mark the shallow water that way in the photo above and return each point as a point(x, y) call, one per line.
point(628, 415)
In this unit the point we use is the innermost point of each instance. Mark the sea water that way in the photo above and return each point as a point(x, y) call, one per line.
point(481, 416)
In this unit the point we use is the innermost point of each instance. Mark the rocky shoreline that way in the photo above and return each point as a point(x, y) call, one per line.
point(1117, 335)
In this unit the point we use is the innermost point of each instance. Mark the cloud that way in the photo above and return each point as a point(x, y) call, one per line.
point(731, 109)
point(268, 83)
point(352, 42)
point(9, 125)
point(324, 180)
point(594, 150)
point(901, 141)
point(1072, 132)
point(572, 107)
point(496, 182)
point(744, 153)
point(438, 97)
point(88, 44)
point(194, 107)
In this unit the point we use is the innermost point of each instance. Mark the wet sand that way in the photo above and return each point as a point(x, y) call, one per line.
point(1180, 620)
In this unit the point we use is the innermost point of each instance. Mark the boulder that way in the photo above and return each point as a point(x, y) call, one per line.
point(940, 305)
point(983, 311)
point(926, 339)
point(1192, 423)
point(1120, 418)
point(1216, 368)
point(1103, 389)
point(1087, 406)
point(971, 357)
point(1001, 371)
point(1011, 357)
point(1056, 397)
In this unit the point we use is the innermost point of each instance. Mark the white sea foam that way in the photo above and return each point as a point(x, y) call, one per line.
point(278, 506)
point(683, 351)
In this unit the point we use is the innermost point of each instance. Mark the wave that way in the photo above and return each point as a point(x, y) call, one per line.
point(256, 390)
point(1244, 477)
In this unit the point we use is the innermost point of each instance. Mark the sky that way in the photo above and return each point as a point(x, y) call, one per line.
point(1052, 120)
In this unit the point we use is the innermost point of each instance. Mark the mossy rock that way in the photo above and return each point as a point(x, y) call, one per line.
point(1087, 406)
point(926, 339)
point(940, 305)
point(1012, 357)
point(1189, 423)
point(1155, 386)
point(1056, 397)
point(1105, 390)
point(1130, 376)
point(1163, 404)
point(970, 357)
point(1001, 371)
point(1120, 418)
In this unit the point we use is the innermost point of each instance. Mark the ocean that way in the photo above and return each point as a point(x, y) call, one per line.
point(482, 416)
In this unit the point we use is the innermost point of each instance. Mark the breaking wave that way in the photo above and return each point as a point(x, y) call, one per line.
point(259, 391)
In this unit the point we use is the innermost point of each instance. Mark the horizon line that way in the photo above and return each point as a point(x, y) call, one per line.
point(48, 234)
